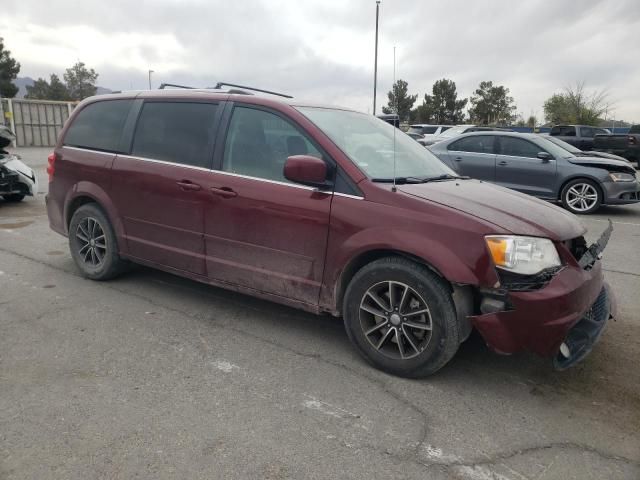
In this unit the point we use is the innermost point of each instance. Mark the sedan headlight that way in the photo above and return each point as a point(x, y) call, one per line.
point(523, 255)
point(622, 177)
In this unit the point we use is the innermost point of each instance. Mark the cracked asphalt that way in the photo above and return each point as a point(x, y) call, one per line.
point(154, 376)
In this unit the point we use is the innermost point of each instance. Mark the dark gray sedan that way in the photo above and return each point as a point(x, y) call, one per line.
point(534, 165)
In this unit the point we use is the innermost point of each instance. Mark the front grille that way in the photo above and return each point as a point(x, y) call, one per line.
point(598, 310)
point(585, 333)
point(521, 283)
point(577, 246)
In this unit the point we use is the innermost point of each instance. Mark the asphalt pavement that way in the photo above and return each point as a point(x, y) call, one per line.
point(154, 376)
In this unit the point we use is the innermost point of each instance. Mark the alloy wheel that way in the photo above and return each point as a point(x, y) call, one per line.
point(395, 320)
point(582, 197)
point(92, 242)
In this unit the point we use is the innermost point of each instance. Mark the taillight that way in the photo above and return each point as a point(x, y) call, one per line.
point(632, 140)
point(51, 167)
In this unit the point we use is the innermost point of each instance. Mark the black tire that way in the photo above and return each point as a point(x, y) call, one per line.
point(574, 204)
point(434, 352)
point(13, 197)
point(110, 264)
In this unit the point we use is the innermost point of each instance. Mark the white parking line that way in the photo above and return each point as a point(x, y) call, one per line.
point(616, 222)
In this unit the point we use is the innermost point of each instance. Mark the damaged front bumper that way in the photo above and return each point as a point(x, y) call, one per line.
point(571, 311)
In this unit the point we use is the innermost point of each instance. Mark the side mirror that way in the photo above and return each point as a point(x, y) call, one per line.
point(306, 170)
point(544, 156)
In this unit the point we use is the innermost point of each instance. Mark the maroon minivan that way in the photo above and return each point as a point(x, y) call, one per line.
point(327, 210)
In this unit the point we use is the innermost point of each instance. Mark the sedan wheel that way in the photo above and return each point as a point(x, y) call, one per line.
point(581, 197)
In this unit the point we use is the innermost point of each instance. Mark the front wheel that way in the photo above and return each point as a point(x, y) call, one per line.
point(581, 196)
point(401, 317)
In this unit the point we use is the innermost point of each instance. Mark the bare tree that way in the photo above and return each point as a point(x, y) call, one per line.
point(576, 105)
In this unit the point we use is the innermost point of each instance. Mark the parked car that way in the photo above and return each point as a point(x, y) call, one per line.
point(390, 118)
point(426, 131)
point(580, 136)
point(326, 210)
point(536, 166)
point(626, 145)
point(459, 130)
point(16, 179)
point(581, 153)
point(415, 136)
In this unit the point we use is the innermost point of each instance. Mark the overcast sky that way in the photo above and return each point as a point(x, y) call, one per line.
point(323, 50)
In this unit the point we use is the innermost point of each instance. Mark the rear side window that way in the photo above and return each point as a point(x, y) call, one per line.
point(176, 132)
point(563, 131)
point(98, 126)
point(429, 130)
point(635, 129)
point(517, 147)
point(600, 131)
point(474, 144)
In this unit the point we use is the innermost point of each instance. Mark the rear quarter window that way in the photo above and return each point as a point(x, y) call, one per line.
point(98, 126)
point(176, 132)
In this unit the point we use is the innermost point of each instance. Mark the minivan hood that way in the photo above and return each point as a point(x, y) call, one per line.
point(512, 211)
point(606, 163)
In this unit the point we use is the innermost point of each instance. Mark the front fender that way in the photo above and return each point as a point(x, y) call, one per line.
point(451, 260)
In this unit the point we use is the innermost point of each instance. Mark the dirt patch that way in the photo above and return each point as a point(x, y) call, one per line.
point(11, 226)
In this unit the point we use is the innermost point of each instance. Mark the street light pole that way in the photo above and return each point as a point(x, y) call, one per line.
point(150, 72)
point(375, 64)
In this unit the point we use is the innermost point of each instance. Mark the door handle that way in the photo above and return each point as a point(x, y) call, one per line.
point(188, 185)
point(503, 163)
point(458, 159)
point(224, 192)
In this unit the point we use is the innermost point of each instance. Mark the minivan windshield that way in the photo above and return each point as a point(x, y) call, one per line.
point(369, 143)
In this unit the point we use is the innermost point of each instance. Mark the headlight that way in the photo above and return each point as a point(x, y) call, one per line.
point(622, 177)
point(523, 255)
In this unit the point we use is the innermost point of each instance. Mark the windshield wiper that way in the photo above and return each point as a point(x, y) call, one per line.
point(399, 180)
point(446, 176)
point(406, 180)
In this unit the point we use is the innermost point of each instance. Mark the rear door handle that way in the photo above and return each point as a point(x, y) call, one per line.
point(224, 192)
point(458, 159)
point(503, 163)
point(188, 185)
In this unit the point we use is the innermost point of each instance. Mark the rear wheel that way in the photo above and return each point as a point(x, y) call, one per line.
point(93, 244)
point(581, 196)
point(13, 197)
point(401, 317)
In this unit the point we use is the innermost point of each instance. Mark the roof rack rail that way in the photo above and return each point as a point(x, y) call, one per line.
point(244, 87)
point(165, 85)
point(237, 88)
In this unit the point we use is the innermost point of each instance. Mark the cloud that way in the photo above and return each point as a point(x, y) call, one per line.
point(323, 50)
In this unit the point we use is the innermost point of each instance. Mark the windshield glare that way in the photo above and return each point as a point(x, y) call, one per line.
point(562, 144)
point(369, 143)
point(555, 150)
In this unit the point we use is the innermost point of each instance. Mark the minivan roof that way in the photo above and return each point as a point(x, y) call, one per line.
point(217, 94)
